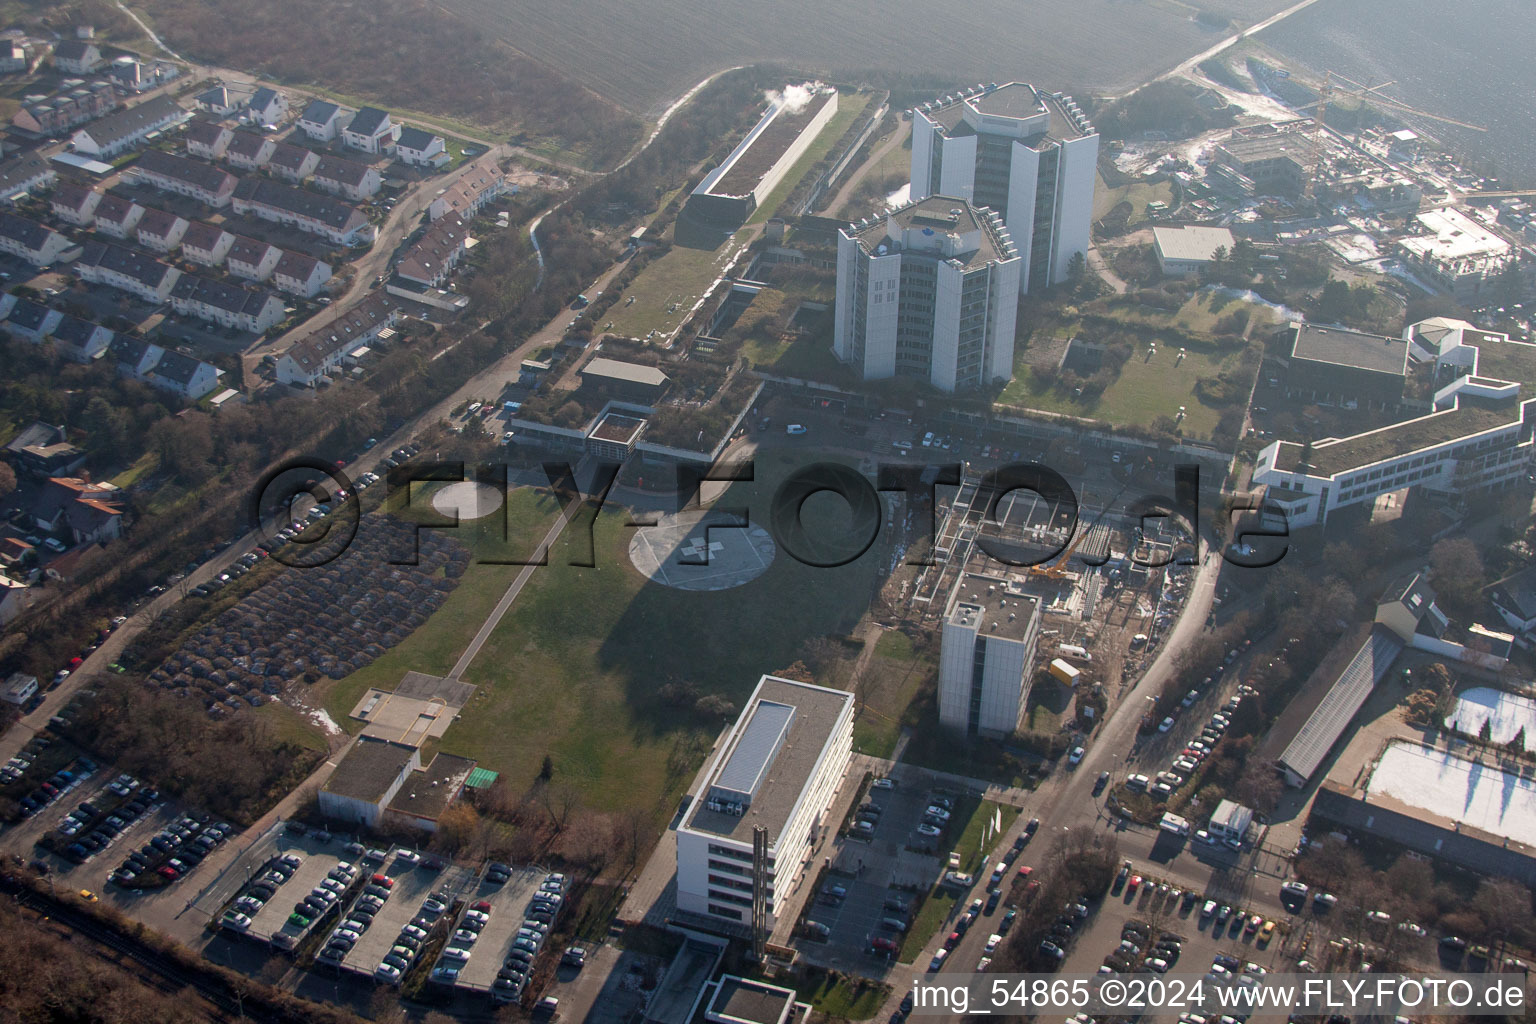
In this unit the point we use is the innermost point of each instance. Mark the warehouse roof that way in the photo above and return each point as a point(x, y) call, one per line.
point(633, 373)
point(1339, 706)
point(1355, 349)
point(370, 768)
point(1191, 243)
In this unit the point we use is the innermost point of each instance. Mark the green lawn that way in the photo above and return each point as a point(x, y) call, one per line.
point(1138, 194)
point(1146, 388)
point(574, 669)
point(939, 903)
point(890, 683)
point(437, 645)
point(666, 289)
point(133, 473)
point(850, 107)
point(842, 998)
point(975, 842)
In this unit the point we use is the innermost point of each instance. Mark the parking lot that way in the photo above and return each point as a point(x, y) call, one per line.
point(880, 875)
point(413, 884)
point(318, 859)
point(509, 907)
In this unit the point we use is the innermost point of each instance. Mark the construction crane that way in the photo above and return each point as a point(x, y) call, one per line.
point(1361, 92)
point(1058, 568)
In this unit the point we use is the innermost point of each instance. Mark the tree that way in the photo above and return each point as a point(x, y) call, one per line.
point(547, 769)
point(7, 480)
point(456, 827)
point(1485, 732)
point(1458, 570)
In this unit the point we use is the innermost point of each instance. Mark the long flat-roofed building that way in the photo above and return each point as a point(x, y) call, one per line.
point(779, 766)
point(1476, 440)
point(929, 290)
point(987, 656)
point(1029, 155)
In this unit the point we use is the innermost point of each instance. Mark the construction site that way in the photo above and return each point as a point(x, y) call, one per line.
point(1107, 583)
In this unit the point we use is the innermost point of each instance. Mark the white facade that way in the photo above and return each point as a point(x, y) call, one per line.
point(987, 657)
point(930, 292)
point(1028, 155)
point(794, 783)
point(1476, 441)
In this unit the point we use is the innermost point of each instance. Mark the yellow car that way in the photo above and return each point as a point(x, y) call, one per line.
point(1267, 932)
point(88, 896)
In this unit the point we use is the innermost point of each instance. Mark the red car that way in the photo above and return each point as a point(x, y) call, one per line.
point(166, 871)
point(483, 906)
point(954, 938)
point(384, 880)
point(1025, 870)
point(1134, 884)
point(880, 944)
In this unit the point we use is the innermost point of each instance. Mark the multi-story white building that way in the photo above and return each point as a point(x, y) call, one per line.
point(1477, 438)
point(987, 656)
point(26, 239)
point(780, 766)
point(1029, 155)
point(930, 291)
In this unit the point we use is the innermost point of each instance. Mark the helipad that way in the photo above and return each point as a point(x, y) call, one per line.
point(701, 550)
point(467, 499)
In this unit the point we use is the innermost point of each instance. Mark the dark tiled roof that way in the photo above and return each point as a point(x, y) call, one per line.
point(296, 265)
point(71, 49)
point(191, 172)
point(231, 298)
point(206, 133)
point(335, 168)
point(28, 315)
point(114, 209)
point(263, 97)
point(140, 266)
point(319, 112)
point(327, 211)
point(127, 122)
point(157, 223)
point(246, 144)
point(415, 138)
point(289, 158)
point(22, 171)
point(368, 120)
point(249, 250)
point(74, 331)
point(174, 366)
point(24, 231)
point(69, 196)
point(202, 236)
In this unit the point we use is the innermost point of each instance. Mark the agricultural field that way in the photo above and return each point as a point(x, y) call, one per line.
point(641, 55)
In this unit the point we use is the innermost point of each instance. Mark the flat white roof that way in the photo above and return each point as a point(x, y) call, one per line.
point(1480, 795)
point(1451, 235)
point(1506, 714)
point(1191, 243)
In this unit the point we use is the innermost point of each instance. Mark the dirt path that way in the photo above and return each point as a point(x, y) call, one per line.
point(883, 147)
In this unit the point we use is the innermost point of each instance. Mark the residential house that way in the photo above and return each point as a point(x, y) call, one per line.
point(76, 57)
point(129, 270)
point(13, 56)
point(91, 512)
point(74, 204)
point(252, 259)
point(43, 450)
point(433, 256)
point(15, 598)
point(27, 239)
point(81, 340)
point(267, 106)
point(218, 101)
point(249, 151)
point(75, 103)
point(330, 219)
point(32, 320)
point(14, 551)
point(200, 181)
point(135, 357)
point(421, 148)
point(371, 131)
point(206, 244)
point(160, 231)
point(292, 163)
point(481, 184)
point(121, 131)
point(232, 305)
point(184, 375)
point(207, 139)
point(347, 177)
point(298, 274)
point(1514, 598)
point(117, 216)
point(321, 120)
point(311, 357)
point(134, 76)
point(21, 176)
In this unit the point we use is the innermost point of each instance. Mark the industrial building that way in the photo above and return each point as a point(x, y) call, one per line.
point(1456, 253)
point(1477, 438)
point(1268, 159)
point(929, 290)
point(778, 768)
point(987, 657)
point(384, 781)
point(1029, 155)
point(730, 193)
